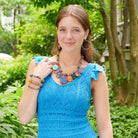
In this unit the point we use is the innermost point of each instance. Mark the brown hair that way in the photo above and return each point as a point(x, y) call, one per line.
point(82, 16)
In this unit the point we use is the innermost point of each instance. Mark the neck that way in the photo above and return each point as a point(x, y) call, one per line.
point(69, 58)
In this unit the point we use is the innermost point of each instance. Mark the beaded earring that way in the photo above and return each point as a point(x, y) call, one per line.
point(59, 47)
point(86, 41)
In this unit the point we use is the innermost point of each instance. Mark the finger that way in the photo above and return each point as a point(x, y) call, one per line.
point(50, 66)
point(44, 60)
point(51, 63)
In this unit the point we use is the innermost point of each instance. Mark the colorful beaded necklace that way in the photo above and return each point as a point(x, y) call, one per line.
point(65, 77)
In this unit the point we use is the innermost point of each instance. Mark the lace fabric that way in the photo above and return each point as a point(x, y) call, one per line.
point(62, 109)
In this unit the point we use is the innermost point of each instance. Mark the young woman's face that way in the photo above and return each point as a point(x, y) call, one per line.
point(71, 34)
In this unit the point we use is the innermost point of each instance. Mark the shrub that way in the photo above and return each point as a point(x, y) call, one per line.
point(14, 70)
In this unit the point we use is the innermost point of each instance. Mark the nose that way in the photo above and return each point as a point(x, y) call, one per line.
point(69, 35)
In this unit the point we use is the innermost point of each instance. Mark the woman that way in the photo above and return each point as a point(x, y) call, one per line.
point(59, 88)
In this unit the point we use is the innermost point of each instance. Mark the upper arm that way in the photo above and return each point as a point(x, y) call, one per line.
point(101, 101)
point(31, 68)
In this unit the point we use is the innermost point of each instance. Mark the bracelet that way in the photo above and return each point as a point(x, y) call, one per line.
point(34, 88)
point(35, 83)
point(42, 80)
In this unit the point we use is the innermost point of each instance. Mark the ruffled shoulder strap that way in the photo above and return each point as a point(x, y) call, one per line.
point(94, 70)
point(38, 59)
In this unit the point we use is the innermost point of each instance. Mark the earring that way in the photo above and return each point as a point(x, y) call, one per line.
point(86, 41)
point(59, 47)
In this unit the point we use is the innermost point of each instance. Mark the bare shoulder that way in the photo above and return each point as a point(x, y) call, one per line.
point(101, 81)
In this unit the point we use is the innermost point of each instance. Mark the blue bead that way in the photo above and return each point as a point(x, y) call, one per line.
point(55, 67)
point(63, 79)
point(80, 70)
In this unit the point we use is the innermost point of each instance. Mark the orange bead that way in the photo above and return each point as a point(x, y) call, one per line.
point(69, 78)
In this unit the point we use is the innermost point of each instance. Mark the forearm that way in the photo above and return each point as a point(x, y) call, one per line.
point(106, 133)
point(27, 106)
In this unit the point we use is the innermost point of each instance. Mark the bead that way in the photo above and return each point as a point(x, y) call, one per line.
point(63, 79)
point(77, 74)
point(80, 70)
point(59, 74)
point(74, 76)
point(55, 67)
point(42, 80)
point(56, 71)
point(36, 83)
point(69, 78)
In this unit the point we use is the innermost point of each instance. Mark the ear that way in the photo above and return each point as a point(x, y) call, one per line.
point(86, 34)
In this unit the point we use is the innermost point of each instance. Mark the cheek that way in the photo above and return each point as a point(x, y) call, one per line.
point(80, 38)
point(59, 36)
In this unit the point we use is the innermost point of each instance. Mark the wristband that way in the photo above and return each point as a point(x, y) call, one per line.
point(42, 80)
point(34, 88)
point(35, 83)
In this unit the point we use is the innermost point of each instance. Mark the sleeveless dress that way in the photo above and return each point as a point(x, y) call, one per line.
point(62, 109)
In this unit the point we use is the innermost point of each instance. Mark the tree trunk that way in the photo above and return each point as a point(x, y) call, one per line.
point(133, 52)
point(111, 50)
point(15, 38)
point(137, 77)
point(125, 26)
point(122, 68)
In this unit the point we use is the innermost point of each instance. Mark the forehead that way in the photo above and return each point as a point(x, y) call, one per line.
point(70, 21)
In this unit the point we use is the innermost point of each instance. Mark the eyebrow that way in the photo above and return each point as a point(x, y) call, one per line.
point(65, 27)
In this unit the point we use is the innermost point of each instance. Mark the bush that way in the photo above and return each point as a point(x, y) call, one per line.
point(12, 80)
point(10, 125)
point(14, 70)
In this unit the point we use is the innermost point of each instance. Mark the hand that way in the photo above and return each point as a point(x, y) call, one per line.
point(44, 68)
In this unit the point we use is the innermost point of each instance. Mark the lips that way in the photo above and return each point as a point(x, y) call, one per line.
point(69, 43)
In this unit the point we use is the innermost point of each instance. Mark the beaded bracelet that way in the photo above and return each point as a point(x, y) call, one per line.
point(34, 88)
point(42, 80)
point(35, 83)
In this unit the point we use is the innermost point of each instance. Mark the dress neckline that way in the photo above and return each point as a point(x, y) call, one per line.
point(70, 83)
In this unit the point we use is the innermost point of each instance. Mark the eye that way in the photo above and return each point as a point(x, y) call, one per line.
point(62, 30)
point(76, 30)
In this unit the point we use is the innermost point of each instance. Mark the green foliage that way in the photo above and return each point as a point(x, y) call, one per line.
point(10, 125)
point(14, 70)
point(6, 42)
point(98, 36)
point(37, 35)
point(12, 80)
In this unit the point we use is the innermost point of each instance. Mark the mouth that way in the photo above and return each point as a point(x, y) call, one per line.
point(69, 43)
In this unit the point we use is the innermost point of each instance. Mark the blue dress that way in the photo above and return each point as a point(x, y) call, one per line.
point(62, 109)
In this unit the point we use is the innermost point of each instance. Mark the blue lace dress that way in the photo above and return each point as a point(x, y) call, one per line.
point(62, 109)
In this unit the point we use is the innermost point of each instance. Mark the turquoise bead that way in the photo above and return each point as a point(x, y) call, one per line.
point(55, 67)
